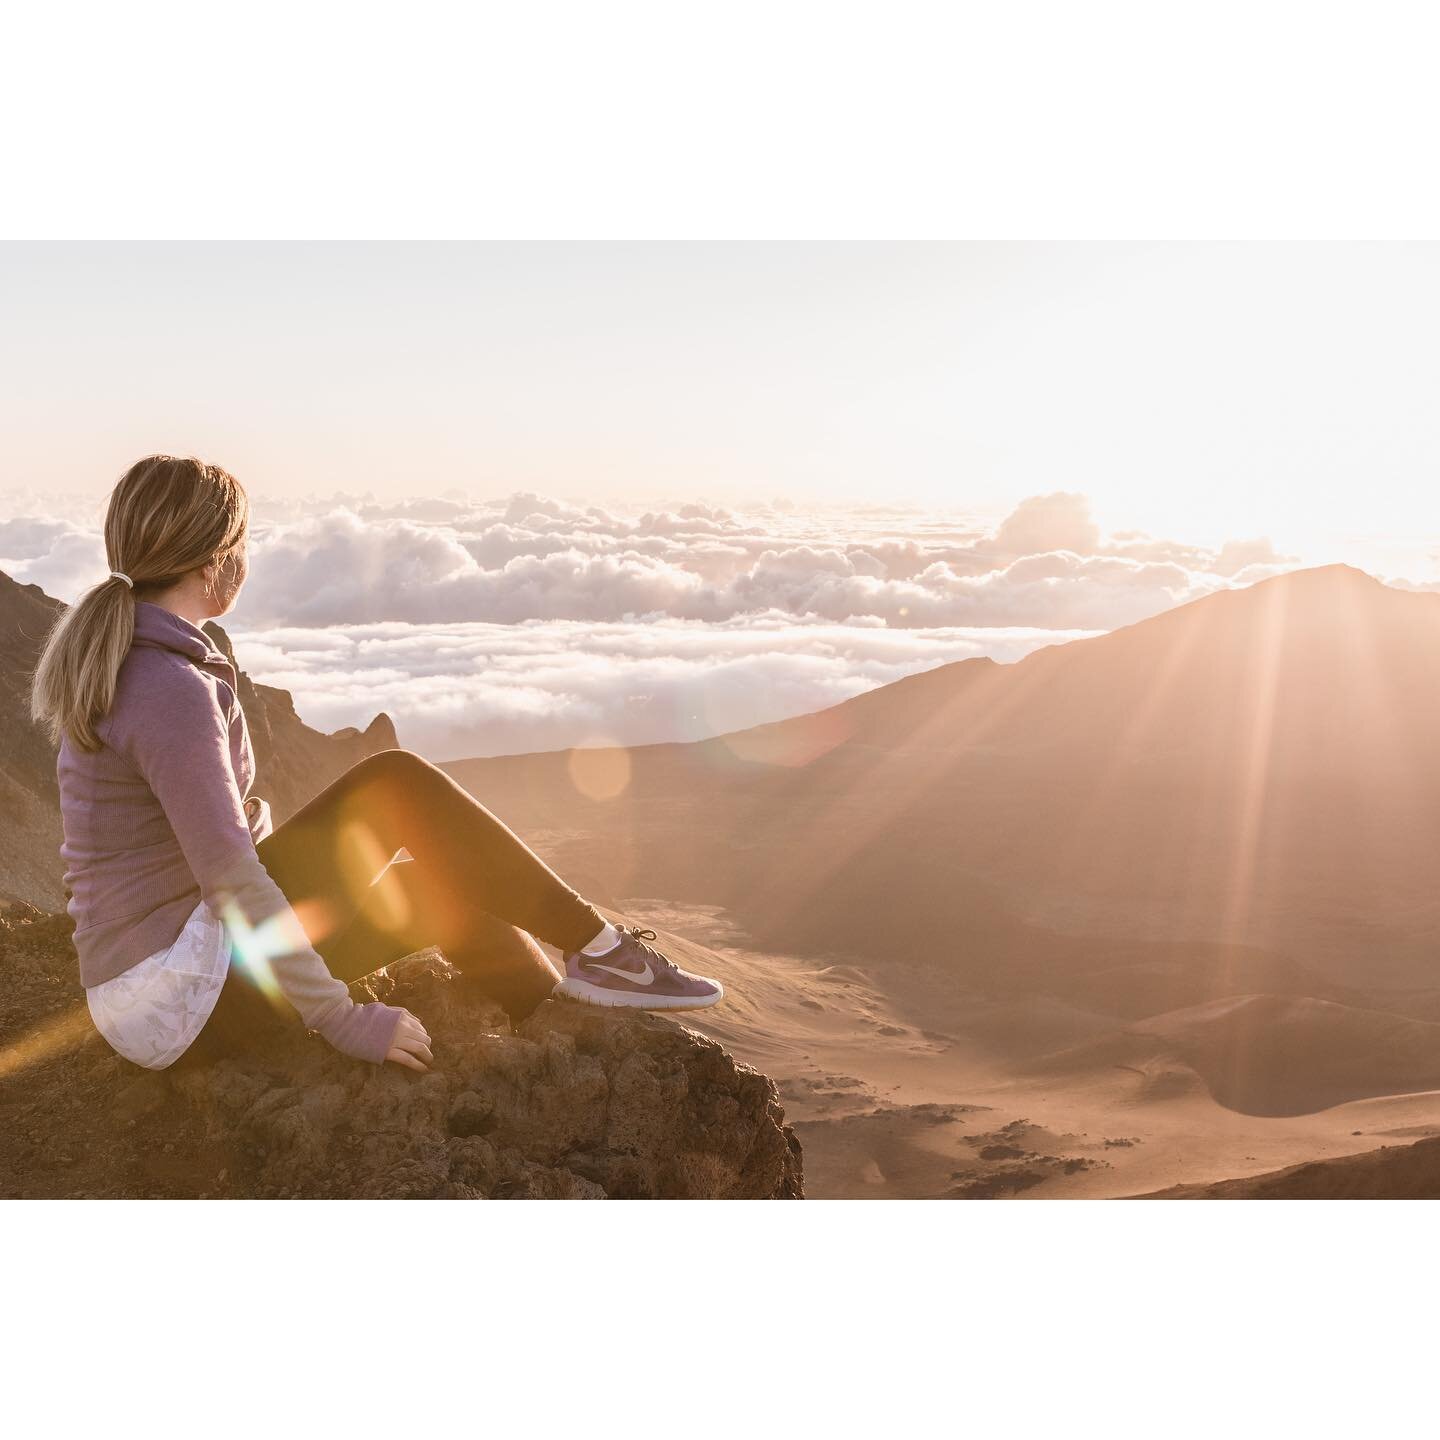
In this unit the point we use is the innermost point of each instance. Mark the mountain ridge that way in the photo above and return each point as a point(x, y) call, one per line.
point(1210, 772)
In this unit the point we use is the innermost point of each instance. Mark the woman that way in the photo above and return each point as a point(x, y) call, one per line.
point(198, 925)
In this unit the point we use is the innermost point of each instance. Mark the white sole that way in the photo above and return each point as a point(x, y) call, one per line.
point(585, 993)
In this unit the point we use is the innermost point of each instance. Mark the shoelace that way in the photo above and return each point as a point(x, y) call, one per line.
point(640, 937)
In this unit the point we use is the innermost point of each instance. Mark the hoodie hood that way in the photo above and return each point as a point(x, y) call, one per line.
point(163, 629)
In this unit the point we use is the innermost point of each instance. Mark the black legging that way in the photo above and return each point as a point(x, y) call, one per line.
point(473, 888)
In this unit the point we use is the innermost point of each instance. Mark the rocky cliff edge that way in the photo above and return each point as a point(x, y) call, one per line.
point(580, 1103)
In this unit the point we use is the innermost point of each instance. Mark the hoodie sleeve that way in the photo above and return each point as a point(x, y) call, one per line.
point(257, 814)
point(179, 740)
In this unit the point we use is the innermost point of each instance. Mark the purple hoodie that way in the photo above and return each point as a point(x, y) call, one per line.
point(155, 820)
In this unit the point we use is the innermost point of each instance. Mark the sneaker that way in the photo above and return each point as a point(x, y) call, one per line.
point(635, 974)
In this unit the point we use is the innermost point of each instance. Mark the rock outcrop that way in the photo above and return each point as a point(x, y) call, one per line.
point(579, 1103)
point(30, 864)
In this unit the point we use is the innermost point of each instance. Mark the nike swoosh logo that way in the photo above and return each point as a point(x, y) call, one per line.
point(642, 979)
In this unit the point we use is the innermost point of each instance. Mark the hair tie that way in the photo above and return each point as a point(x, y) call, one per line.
point(120, 575)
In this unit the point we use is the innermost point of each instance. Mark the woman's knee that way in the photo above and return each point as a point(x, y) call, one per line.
point(395, 765)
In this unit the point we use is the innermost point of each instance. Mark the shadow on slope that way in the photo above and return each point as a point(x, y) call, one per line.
point(1393, 1172)
point(1266, 1054)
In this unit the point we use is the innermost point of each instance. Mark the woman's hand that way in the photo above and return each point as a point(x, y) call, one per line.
point(411, 1045)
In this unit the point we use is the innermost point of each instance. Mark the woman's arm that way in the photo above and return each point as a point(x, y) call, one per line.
point(179, 740)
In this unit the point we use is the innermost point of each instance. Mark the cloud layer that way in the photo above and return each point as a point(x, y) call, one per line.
point(529, 557)
point(529, 622)
point(470, 689)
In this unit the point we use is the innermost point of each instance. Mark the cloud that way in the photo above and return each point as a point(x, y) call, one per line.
point(1048, 522)
point(530, 622)
point(429, 560)
point(60, 556)
point(472, 689)
point(531, 557)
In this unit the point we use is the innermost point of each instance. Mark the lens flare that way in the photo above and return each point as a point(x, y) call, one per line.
point(600, 772)
point(307, 922)
point(252, 947)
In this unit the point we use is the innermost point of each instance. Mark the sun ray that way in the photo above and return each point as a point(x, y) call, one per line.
point(1077, 849)
point(882, 792)
point(47, 1040)
point(1250, 791)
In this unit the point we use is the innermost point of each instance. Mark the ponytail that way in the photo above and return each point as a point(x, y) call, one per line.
point(167, 517)
point(75, 680)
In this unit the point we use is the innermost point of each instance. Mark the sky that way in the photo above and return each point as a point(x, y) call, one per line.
point(523, 496)
point(1221, 391)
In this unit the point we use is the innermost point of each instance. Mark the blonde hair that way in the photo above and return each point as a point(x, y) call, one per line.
point(167, 517)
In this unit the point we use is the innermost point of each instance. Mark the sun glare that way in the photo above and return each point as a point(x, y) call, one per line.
point(47, 1040)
